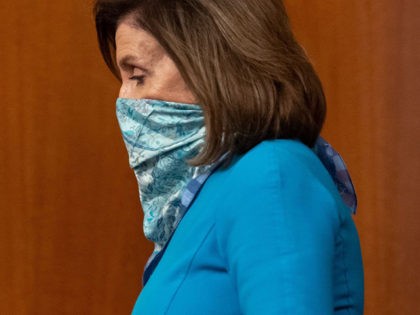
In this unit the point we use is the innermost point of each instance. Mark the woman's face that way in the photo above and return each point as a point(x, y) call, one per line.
point(146, 70)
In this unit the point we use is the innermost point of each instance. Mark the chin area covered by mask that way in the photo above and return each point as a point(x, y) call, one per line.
point(160, 136)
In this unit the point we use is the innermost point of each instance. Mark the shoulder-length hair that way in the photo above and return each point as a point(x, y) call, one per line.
point(240, 60)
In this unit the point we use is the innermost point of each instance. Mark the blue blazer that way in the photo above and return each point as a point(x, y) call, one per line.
point(268, 235)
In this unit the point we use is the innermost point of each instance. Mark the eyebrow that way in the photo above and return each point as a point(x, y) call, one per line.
point(130, 61)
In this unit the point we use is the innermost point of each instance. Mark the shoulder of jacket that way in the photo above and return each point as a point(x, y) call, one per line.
point(276, 156)
point(277, 175)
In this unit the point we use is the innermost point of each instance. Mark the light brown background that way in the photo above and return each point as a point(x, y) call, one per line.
point(71, 237)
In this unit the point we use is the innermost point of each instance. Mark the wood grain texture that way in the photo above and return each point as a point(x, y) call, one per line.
point(367, 54)
point(71, 223)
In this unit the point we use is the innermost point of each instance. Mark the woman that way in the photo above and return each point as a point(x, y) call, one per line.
point(221, 111)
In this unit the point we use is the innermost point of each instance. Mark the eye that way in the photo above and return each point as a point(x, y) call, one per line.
point(138, 78)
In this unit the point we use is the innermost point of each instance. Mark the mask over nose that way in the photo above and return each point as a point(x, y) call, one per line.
point(160, 136)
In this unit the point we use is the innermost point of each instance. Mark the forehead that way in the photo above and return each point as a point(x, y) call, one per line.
point(132, 40)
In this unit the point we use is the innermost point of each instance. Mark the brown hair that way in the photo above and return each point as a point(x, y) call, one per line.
point(241, 62)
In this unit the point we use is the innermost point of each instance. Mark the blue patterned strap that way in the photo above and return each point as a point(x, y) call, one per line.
point(335, 165)
point(196, 183)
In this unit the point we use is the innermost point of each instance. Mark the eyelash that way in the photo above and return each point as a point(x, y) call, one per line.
point(138, 78)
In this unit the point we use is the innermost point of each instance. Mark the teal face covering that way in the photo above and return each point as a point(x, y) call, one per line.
point(160, 136)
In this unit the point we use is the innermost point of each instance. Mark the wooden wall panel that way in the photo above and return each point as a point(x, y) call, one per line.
point(71, 224)
point(71, 237)
point(367, 54)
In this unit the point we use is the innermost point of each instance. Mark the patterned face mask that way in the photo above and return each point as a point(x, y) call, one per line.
point(160, 136)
